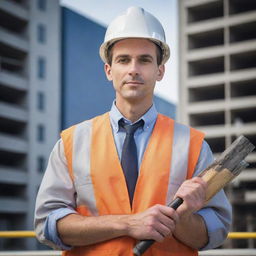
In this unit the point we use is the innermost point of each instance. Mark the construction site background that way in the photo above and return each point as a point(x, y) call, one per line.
point(217, 57)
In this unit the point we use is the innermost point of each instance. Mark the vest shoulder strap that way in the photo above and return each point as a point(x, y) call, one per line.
point(67, 138)
point(196, 141)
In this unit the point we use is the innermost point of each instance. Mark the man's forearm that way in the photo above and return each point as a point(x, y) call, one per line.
point(191, 230)
point(77, 230)
point(155, 223)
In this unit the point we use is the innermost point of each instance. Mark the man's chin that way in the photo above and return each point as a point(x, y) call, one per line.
point(134, 98)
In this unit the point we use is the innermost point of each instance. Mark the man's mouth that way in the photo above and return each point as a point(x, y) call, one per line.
point(134, 82)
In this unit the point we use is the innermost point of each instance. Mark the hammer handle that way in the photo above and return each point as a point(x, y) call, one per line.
point(143, 245)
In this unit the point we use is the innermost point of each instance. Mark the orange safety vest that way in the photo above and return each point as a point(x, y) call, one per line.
point(97, 174)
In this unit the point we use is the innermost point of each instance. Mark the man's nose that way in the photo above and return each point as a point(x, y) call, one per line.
point(134, 68)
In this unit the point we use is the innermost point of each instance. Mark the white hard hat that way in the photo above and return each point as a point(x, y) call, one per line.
point(135, 23)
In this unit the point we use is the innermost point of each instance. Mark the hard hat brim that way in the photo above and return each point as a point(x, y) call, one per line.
point(105, 46)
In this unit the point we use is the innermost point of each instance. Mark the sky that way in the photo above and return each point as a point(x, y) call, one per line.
point(103, 12)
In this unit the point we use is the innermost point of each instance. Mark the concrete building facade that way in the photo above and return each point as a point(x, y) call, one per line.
point(218, 88)
point(29, 107)
point(86, 91)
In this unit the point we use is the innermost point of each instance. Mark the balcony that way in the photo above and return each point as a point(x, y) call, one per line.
point(219, 78)
point(13, 176)
point(206, 66)
point(247, 103)
point(13, 40)
point(237, 75)
point(206, 106)
point(246, 176)
point(14, 65)
point(13, 112)
point(237, 7)
point(13, 205)
point(217, 130)
point(205, 11)
point(219, 21)
point(250, 197)
point(207, 93)
point(251, 157)
point(10, 143)
point(14, 10)
point(206, 39)
point(220, 50)
point(242, 32)
point(13, 81)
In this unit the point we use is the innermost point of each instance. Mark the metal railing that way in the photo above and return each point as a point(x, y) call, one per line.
point(215, 252)
point(27, 233)
point(17, 234)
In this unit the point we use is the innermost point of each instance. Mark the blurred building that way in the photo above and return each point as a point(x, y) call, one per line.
point(86, 92)
point(49, 79)
point(218, 87)
point(165, 107)
point(29, 107)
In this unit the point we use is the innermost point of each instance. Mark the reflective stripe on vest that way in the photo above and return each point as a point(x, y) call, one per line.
point(93, 163)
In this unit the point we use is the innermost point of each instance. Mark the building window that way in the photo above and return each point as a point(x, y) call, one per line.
point(40, 101)
point(40, 133)
point(41, 67)
point(41, 164)
point(41, 33)
point(41, 5)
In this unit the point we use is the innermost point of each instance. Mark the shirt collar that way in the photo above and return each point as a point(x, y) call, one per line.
point(149, 117)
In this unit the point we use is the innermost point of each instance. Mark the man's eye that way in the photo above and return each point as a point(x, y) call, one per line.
point(145, 60)
point(123, 60)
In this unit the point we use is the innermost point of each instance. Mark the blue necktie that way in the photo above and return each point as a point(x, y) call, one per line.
point(129, 159)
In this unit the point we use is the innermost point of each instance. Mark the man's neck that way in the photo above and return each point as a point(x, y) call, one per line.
point(132, 111)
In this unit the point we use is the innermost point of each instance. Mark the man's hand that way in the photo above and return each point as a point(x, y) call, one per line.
point(193, 193)
point(155, 223)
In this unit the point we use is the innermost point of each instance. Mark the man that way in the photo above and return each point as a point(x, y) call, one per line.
point(109, 179)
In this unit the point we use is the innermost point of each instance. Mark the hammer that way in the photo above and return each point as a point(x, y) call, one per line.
point(223, 170)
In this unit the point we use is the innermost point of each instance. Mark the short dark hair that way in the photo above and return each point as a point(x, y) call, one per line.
point(159, 53)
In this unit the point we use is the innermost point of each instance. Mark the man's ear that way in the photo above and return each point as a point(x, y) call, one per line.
point(160, 74)
point(108, 71)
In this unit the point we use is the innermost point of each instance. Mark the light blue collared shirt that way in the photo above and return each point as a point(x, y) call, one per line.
point(217, 215)
point(141, 135)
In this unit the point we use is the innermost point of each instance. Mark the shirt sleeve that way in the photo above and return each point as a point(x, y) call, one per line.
point(217, 214)
point(50, 229)
point(55, 199)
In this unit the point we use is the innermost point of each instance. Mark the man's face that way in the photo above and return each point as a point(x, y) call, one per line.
point(134, 70)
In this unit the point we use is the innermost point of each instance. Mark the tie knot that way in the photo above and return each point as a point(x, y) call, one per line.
point(130, 129)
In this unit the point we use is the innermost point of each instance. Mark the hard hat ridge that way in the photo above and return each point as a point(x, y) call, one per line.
point(135, 23)
point(136, 19)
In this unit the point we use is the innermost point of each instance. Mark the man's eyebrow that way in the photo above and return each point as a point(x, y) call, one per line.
point(122, 56)
point(146, 56)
